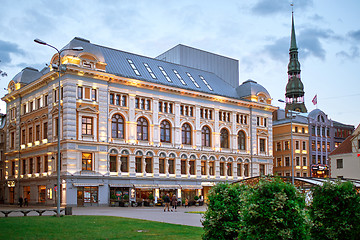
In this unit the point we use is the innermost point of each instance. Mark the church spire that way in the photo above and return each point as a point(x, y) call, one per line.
point(294, 89)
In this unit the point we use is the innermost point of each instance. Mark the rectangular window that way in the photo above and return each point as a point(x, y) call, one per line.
point(37, 132)
point(229, 169)
point(23, 136)
point(123, 100)
point(87, 126)
point(297, 161)
point(262, 145)
point(30, 135)
point(46, 163)
point(286, 145)
point(203, 167)
point(45, 130)
point(23, 166)
point(117, 101)
point(46, 97)
point(56, 127)
point(38, 103)
point(297, 145)
point(171, 166)
point(359, 144)
point(31, 165)
point(339, 163)
point(211, 168)
point(313, 145)
point(278, 146)
point(13, 168)
point(246, 170)
point(278, 160)
point(80, 92)
point(239, 169)
point(138, 164)
point(161, 165)
point(113, 164)
point(86, 161)
point(222, 166)
point(149, 165)
point(183, 166)
point(111, 98)
point(303, 145)
point(302, 130)
point(304, 161)
point(12, 140)
point(287, 161)
point(38, 163)
point(124, 164)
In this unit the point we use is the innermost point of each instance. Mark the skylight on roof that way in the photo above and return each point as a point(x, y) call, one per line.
point(206, 83)
point(150, 71)
point(193, 80)
point(165, 74)
point(179, 77)
point(132, 65)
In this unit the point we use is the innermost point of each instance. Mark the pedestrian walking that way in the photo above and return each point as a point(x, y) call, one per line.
point(174, 203)
point(20, 201)
point(167, 202)
point(26, 202)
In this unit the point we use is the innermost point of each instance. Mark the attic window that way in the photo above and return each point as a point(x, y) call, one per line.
point(132, 65)
point(179, 77)
point(206, 83)
point(193, 80)
point(87, 64)
point(165, 74)
point(149, 70)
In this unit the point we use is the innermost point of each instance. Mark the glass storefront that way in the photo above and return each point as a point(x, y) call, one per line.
point(42, 194)
point(87, 196)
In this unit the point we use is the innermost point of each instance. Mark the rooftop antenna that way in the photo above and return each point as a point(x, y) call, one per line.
point(292, 7)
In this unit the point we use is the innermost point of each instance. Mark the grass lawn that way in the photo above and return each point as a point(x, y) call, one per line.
point(92, 227)
point(198, 212)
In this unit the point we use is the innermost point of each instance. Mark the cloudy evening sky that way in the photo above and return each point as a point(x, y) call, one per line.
point(256, 32)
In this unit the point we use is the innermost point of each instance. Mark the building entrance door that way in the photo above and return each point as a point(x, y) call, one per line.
point(11, 195)
point(80, 197)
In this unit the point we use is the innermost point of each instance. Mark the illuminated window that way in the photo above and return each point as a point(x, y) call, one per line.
point(206, 83)
point(186, 134)
point(179, 77)
point(117, 126)
point(203, 167)
point(132, 65)
point(87, 125)
point(165, 74)
point(150, 70)
point(87, 161)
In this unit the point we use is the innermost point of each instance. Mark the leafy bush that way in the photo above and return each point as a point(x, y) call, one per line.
point(274, 210)
point(335, 211)
point(222, 218)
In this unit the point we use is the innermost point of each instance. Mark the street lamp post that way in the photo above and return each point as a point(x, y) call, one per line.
point(291, 143)
point(59, 69)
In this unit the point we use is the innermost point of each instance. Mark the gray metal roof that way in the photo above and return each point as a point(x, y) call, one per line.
point(299, 118)
point(117, 64)
point(27, 75)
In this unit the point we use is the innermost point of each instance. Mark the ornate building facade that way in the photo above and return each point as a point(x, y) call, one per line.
point(131, 127)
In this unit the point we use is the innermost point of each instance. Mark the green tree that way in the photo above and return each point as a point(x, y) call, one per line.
point(222, 218)
point(335, 211)
point(274, 210)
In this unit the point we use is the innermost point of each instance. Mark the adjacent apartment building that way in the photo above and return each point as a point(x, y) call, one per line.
point(132, 127)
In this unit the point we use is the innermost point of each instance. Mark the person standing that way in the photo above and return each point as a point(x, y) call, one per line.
point(167, 202)
point(174, 203)
point(20, 201)
point(186, 202)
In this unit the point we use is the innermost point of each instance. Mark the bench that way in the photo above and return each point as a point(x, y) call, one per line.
point(27, 211)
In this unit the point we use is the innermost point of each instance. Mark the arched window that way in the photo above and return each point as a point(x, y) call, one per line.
point(165, 131)
point(186, 134)
point(117, 126)
point(142, 129)
point(206, 136)
point(224, 138)
point(241, 140)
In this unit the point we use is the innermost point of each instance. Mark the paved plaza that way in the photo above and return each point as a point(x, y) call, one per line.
point(146, 213)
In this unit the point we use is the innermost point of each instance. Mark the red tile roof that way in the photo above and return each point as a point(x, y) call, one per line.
point(345, 147)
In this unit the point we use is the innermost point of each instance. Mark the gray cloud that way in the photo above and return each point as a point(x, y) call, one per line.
point(269, 7)
point(6, 48)
point(350, 55)
point(355, 35)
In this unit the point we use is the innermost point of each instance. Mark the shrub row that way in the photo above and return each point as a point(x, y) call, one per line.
point(274, 209)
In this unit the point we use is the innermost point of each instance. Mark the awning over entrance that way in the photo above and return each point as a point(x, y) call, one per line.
point(121, 185)
point(87, 184)
point(143, 186)
point(166, 187)
point(191, 187)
